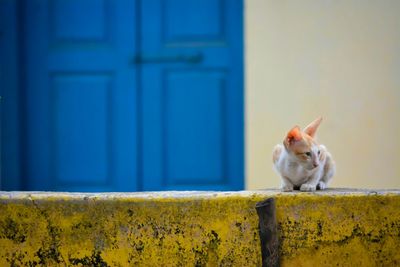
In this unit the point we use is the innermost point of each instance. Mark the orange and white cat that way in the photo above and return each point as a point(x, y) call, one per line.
point(302, 162)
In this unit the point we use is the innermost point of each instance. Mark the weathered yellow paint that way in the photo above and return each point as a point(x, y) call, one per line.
point(197, 229)
point(348, 230)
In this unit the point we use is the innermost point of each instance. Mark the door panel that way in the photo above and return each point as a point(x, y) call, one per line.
point(80, 105)
point(132, 95)
point(192, 109)
point(80, 95)
point(194, 119)
point(93, 24)
point(199, 20)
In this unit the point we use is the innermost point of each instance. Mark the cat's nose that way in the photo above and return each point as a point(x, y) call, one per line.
point(315, 165)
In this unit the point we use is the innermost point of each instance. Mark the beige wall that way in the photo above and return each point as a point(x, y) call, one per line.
point(338, 59)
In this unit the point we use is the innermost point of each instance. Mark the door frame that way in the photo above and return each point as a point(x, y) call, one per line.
point(10, 92)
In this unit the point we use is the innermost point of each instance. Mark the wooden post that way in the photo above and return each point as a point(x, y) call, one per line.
point(268, 232)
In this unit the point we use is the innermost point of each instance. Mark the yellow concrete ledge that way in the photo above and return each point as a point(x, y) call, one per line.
point(331, 228)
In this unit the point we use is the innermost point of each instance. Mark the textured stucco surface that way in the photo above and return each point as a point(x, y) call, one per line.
point(332, 228)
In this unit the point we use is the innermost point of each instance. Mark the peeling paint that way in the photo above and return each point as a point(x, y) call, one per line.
point(197, 229)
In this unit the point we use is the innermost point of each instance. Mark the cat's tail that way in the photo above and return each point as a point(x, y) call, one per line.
point(276, 153)
point(329, 169)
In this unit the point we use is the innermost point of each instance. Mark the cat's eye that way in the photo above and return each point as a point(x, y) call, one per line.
point(319, 152)
point(308, 154)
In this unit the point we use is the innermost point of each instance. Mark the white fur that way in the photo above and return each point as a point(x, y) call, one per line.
point(304, 174)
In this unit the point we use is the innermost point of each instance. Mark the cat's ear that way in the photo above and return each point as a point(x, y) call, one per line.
point(293, 135)
point(311, 129)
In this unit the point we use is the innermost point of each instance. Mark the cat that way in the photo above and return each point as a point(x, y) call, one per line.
point(301, 162)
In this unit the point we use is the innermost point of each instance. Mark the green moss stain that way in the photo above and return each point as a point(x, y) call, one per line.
point(13, 230)
point(137, 232)
point(339, 231)
point(216, 230)
point(93, 260)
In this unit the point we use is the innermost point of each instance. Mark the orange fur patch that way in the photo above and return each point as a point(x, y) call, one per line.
point(276, 153)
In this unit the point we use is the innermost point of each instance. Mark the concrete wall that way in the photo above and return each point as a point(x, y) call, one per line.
point(331, 228)
point(338, 59)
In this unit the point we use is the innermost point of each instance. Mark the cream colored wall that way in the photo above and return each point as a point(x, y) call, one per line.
point(338, 59)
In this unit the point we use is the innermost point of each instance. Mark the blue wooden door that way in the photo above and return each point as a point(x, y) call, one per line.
point(192, 94)
point(132, 95)
point(79, 95)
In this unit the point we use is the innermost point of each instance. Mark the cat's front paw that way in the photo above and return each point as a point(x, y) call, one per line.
point(287, 188)
point(321, 186)
point(308, 188)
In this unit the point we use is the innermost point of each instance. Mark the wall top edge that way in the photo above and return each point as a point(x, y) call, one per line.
point(190, 194)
